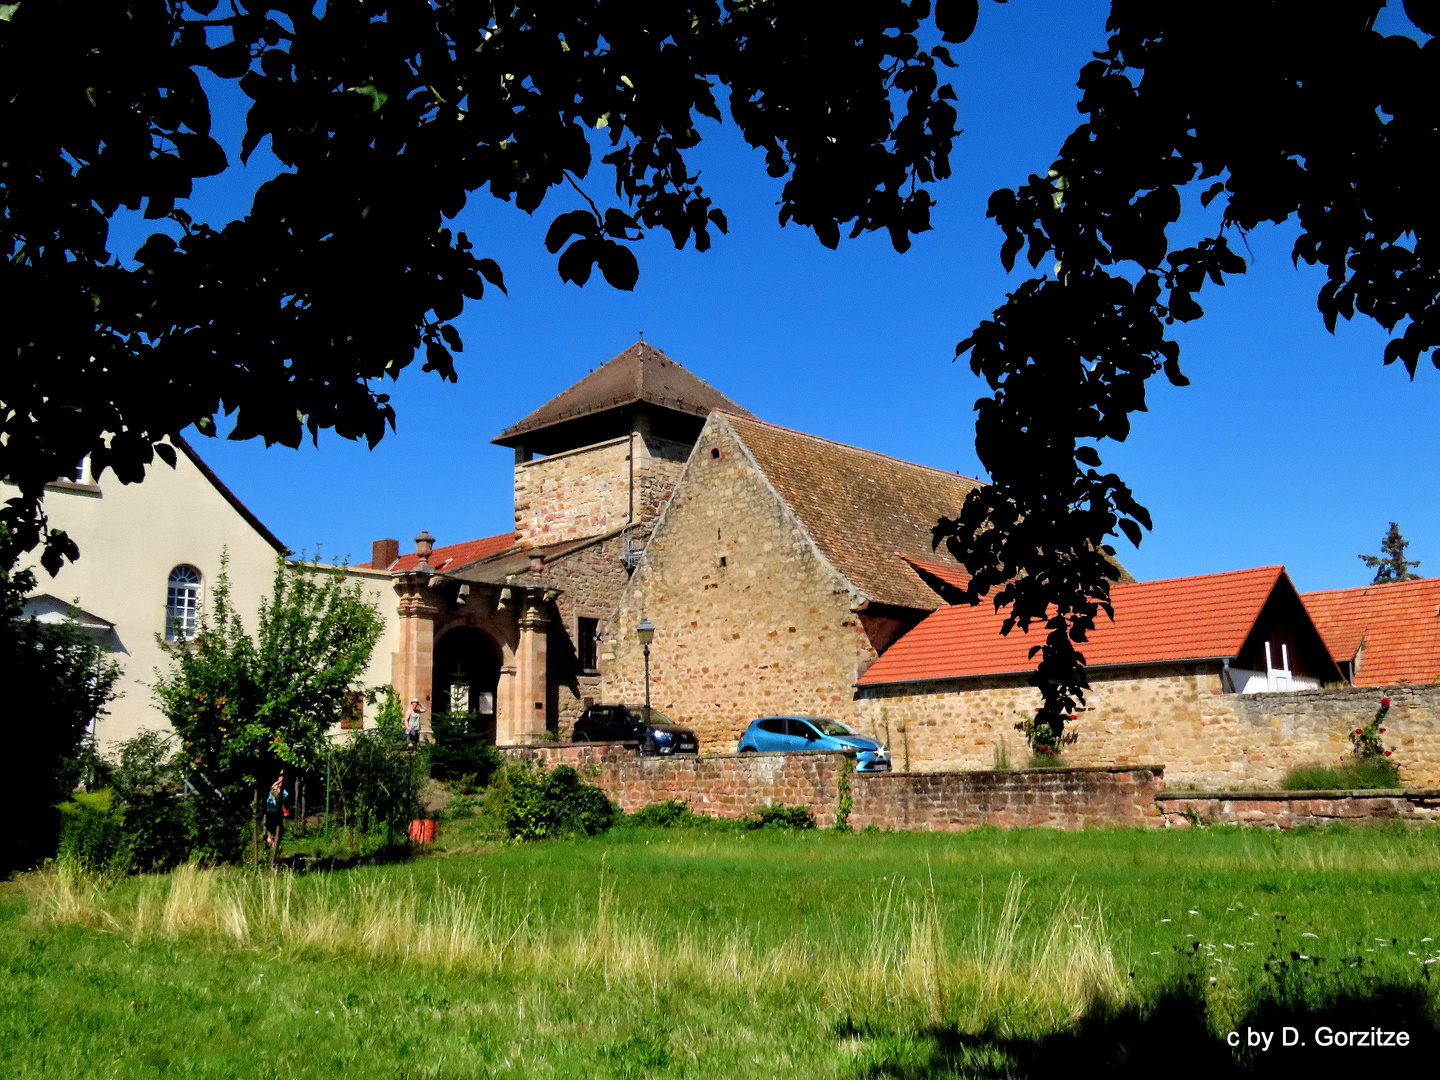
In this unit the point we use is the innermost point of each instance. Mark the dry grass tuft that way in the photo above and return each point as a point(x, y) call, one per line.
point(905, 961)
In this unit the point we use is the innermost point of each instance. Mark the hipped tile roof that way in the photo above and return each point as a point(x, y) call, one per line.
point(640, 373)
point(1398, 624)
point(861, 508)
point(1155, 621)
point(451, 557)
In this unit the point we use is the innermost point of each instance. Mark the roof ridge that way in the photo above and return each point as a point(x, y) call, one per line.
point(1366, 588)
point(229, 496)
point(1279, 568)
point(849, 446)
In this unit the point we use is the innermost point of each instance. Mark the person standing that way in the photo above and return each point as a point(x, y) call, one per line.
point(412, 722)
point(275, 812)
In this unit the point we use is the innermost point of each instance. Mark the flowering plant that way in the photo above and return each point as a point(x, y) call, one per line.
point(1366, 740)
point(1044, 739)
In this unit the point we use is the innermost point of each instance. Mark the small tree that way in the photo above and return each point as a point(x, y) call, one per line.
point(1391, 565)
point(244, 708)
point(59, 684)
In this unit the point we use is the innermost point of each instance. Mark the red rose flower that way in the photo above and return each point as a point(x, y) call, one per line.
point(1387, 753)
point(1382, 731)
point(1358, 731)
point(1385, 702)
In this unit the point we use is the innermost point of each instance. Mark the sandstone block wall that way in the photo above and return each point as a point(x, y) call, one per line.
point(1287, 809)
point(1044, 798)
point(767, 631)
point(1175, 713)
point(721, 785)
point(586, 492)
point(591, 579)
point(733, 785)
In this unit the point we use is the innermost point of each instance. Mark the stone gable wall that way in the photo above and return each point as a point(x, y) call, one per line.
point(586, 492)
point(1175, 713)
point(770, 631)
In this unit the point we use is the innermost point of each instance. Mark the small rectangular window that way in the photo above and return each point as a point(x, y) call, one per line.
point(585, 642)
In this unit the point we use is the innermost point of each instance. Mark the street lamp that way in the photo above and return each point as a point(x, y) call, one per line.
point(646, 633)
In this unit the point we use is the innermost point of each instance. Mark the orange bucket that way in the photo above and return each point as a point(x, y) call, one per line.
point(422, 831)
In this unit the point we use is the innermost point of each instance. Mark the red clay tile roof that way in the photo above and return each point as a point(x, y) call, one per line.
point(861, 508)
point(1398, 624)
point(640, 373)
point(1180, 619)
point(452, 557)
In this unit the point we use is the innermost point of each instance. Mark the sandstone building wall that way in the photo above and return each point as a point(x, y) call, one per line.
point(588, 491)
point(750, 619)
point(1172, 713)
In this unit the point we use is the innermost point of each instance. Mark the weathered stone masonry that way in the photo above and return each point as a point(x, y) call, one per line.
point(750, 618)
point(733, 785)
point(1174, 713)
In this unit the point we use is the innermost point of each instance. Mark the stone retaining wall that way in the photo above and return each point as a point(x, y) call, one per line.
point(733, 785)
point(1017, 798)
point(1287, 809)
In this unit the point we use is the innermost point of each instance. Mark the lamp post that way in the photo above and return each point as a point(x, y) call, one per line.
point(646, 633)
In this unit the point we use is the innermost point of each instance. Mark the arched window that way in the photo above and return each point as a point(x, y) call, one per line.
point(182, 604)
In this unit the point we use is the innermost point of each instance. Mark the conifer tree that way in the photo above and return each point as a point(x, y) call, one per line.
point(1391, 565)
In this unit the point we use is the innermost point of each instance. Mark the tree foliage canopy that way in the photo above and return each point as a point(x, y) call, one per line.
point(386, 117)
point(244, 706)
point(1391, 564)
point(1324, 119)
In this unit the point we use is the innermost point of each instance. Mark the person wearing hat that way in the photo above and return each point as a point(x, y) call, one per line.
point(412, 721)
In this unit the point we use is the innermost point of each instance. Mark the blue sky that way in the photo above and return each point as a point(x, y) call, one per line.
point(1291, 445)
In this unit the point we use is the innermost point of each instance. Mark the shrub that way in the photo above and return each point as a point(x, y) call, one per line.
point(672, 814)
point(540, 804)
point(92, 831)
point(1353, 774)
point(378, 784)
point(461, 749)
point(779, 816)
point(1046, 761)
point(159, 825)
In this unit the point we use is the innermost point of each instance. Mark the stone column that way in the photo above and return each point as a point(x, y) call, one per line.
point(419, 608)
point(526, 722)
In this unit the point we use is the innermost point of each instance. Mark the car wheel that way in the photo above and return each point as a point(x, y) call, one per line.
point(748, 750)
point(580, 736)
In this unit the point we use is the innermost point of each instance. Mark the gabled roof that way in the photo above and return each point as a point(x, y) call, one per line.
point(1398, 625)
point(642, 373)
point(228, 495)
point(861, 508)
point(451, 557)
point(1194, 618)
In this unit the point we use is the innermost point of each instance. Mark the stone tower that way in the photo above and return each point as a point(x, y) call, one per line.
point(604, 455)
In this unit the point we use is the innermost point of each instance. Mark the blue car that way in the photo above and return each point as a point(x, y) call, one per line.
point(814, 733)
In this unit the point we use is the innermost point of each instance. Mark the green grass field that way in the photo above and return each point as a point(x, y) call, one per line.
point(652, 953)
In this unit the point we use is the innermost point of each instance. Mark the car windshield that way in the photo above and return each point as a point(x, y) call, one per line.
point(656, 716)
point(829, 727)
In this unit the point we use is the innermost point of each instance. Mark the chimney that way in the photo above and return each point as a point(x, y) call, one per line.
point(383, 553)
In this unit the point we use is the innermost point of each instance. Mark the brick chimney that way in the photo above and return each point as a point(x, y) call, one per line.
point(383, 553)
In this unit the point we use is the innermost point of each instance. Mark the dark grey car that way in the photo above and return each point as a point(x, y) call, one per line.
point(626, 723)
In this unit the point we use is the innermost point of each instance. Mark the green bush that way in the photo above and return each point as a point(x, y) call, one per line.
point(779, 816)
point(92, 833)
point(540, 804)
point(159, 826)
point(461, 750)
point(1353, 774)
point(1046, 761)
point(376, 784)
point(673, 814)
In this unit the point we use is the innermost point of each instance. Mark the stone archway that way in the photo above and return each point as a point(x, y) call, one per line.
point(467, 675)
